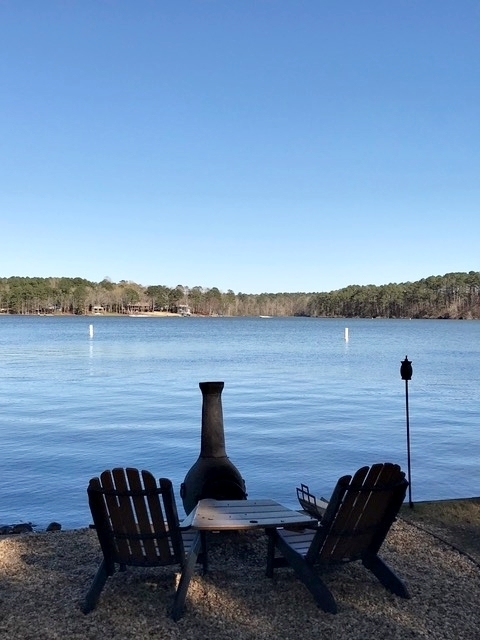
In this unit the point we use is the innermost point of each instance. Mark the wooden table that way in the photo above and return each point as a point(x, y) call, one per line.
point(239, 515)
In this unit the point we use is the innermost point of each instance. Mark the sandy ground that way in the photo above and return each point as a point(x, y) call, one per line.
point(44, 576)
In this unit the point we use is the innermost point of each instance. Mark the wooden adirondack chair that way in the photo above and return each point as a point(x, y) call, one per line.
point(353, 527)
point(134, 529)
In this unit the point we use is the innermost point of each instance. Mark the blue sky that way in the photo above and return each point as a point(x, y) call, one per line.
point(258, 146)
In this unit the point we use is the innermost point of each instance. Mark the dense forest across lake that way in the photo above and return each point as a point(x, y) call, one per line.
point(453, 295)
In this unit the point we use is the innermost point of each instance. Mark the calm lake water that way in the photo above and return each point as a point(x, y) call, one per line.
point(300, 404)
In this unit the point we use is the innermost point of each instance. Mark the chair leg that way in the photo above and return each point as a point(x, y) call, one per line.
point(319, 590)
point(305, 571)
point(95, 590)
point(385, 575)
point(187, 573)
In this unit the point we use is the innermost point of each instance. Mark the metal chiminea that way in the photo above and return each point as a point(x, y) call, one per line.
point(213, 475)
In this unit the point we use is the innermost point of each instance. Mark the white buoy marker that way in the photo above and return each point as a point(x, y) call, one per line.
point(345, 334)
point(90, 330)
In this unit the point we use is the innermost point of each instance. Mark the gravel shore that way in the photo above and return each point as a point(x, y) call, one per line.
point(44, 576)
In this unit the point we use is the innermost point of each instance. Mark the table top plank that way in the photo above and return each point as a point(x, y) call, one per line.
point(223, 515)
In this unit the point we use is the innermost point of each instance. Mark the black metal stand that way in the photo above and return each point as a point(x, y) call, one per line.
point(406, 374)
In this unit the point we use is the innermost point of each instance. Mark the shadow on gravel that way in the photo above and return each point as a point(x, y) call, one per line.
point(455, 521)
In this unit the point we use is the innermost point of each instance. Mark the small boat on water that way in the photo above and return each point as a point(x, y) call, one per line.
point(265, 316)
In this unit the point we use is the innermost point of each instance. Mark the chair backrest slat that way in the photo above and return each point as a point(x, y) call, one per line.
point(129, 524)
point(141, 510)
point(132, 526)
point(116, 521)
point(171, 516)
point(359, 514)
point(370, 510)
point(157, 519)
point(346, 516)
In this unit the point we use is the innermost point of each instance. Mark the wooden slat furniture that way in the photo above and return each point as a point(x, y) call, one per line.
point(233, 515)
point(353, 527)
point(137, 524)
point(240, 515)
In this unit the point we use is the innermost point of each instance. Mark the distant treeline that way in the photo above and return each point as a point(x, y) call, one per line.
point(453, 295)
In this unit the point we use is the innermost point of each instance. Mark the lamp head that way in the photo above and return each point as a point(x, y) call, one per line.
point(406, 369)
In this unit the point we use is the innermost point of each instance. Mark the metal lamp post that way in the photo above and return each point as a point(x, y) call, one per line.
point(406, 374)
